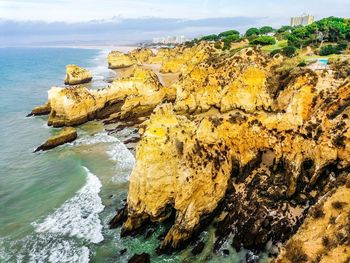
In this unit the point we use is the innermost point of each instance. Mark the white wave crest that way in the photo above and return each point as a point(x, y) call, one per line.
point(101, 137)
point(79, 215)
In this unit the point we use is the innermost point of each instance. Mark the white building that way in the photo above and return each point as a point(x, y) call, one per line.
point(169, 40)
point(303, 20)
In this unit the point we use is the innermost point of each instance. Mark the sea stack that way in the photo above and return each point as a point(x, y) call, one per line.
point(76, 75)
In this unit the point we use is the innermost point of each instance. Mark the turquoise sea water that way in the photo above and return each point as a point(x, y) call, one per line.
point(55, 205)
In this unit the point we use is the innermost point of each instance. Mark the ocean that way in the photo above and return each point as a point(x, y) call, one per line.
point(55, 206)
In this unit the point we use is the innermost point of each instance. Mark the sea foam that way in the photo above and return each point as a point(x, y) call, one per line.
point(78, 216)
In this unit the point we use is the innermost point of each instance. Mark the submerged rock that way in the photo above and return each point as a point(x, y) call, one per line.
point(67, 134)
point(76, 75)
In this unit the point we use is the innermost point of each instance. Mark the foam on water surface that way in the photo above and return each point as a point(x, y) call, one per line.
point(79, 215)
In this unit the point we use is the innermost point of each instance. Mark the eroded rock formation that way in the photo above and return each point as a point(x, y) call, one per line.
point(325, 235)
point(260, 153)
point(118, 60)
point(76, 75)
point(129, 97)
point(248, 139)
point(67, 134)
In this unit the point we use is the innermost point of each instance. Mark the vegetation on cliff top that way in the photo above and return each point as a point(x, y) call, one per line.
point(332, 30)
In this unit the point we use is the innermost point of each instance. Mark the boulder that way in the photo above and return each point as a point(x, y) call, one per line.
point(67, 134)
point(76, 75)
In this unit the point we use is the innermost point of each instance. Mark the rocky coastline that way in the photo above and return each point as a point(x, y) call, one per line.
point(243, 140)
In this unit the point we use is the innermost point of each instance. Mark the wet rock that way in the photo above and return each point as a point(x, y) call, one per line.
point(67, 134)
point(198, 248)
point(142, 258)
point(40, 110)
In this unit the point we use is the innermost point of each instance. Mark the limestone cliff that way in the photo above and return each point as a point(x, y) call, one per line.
point(76, 75)
point(258, 149)
point(243, 137)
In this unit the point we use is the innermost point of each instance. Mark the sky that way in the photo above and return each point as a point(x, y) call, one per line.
point(135, 20)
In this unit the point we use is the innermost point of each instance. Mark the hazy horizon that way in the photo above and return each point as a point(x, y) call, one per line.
point(63, 22)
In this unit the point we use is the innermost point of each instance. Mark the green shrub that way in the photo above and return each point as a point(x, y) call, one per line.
point(218, 45)
point(266, 30)
point(342, 45)
point(289, 51)
point(302, 64)
point(284, 29)
point(252, 31)
point(329, 50)
point(212, 37)
point(229, 39)
point(275, 51)
point(228, 33)
point(263, 40)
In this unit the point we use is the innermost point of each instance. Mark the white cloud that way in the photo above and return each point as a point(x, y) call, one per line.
point(84, 10)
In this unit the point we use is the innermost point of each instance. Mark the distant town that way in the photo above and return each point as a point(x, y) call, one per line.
point(169, 41)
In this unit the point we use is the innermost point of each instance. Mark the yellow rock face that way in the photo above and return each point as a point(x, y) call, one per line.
point(76, 75)
point(141, 55)
point(169, 169)
point(226, 82)
point(184, 163)
point(324, 236)
point(128, 97)
point(118, 60)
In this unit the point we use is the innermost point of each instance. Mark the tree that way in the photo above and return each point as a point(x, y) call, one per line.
point(265, 30)
point(212, 37)
point(263, 40)
point(228, 33)
point(329, 50)
point(294, 41)
point(252, 31)
point(289, 51)
point(284, 29)
point(229, 39)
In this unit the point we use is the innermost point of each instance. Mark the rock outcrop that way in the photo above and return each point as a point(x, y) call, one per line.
point(67, 134)
point(40, 110)
point(256, 152)
point(325, 234)
point(76, 75)
point(131, 97)
point(141, 55)
point(117, 60)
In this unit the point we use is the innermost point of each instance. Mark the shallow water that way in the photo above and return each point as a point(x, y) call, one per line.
point(55, 205)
